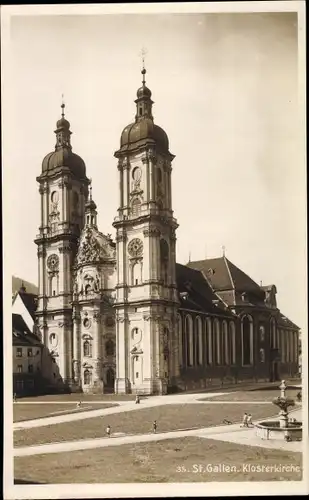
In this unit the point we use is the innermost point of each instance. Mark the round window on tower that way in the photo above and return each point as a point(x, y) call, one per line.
point(137, 173)
point(54, 197)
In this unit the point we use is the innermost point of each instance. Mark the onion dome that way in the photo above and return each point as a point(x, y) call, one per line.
point(63, 156)
point(143, 131)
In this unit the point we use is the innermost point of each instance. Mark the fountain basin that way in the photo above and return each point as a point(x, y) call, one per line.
point(271, 429)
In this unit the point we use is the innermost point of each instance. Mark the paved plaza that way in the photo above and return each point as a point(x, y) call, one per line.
point(229, 433)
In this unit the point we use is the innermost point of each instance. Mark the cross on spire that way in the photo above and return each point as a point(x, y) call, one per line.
point(223, 250)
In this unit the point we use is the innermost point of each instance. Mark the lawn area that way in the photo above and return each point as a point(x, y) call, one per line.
point(173, 460)
point(168, 417)
point(22, 412)
point(83, 397)
point(266, 395)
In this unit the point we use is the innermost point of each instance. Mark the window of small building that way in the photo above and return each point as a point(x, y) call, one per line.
point(30, 369)
point(19, 352)
point(30, 353)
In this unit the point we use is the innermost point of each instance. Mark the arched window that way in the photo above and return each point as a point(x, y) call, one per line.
point(217, 342)
point(199, 341)
point(87, 377)
point(110, 348)
point(134, 333)
point(136, 273)
point(262, 355)
point(291, 346)
point(287, 344)
point(136, 207)
point(247, 340)
point(87, 348)
point(233, 342)
point(164, 258)
point(296, 347)
point(283, 348)
point(209, 340)
point(225, 343)
point(189, 338)
point(53, 286)
point(262, 333)
point(180, 340)
point(273, 335)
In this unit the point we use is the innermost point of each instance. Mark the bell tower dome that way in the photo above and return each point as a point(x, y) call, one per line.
point(147, 299)
point(63, 188)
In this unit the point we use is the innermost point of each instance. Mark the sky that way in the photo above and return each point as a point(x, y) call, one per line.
point(225, 88)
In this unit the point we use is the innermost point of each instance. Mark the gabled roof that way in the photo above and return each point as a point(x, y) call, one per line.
point(224, 276)
point(30, 301)
point(195, 293)
point(18, 283)
point(21, 333)
point(284, 321)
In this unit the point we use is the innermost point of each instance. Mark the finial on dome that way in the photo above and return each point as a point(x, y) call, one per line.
point(62, 106)
point(143, 54)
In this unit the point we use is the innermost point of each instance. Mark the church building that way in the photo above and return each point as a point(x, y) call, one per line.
point(122, 316)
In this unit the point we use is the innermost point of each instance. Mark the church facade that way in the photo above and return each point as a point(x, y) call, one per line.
point(122, 316)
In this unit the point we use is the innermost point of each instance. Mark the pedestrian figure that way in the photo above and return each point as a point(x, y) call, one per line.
point(137, 400)
point(14, 397)
point(228, 422)
point(78, 405)
point(108, 430)
point(249, 420)
point(154, 426)
point(245, 420)
point(298, 395)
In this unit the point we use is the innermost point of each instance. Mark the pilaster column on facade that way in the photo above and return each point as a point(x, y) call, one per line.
point(121, 201)
point(41, 264)
point(151, 178)
point(122, 385)
point(174, 346)
point(145, 161)
point(46, 204)
point(148, 372)
point(126, 181)
point(77, 347)
point(121, 259)
point(97, 342)
point(147, 257)
point(41, 191)
point(68, 188)
point(173, 258)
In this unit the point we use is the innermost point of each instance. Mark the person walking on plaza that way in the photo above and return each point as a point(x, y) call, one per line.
point(249, 420)
point(137, 399)
point(245, 420)
point(108, 430)
point(14, 397)
point(78, 405)
point(154, 426)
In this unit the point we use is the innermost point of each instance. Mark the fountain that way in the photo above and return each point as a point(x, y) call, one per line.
point(283, 428)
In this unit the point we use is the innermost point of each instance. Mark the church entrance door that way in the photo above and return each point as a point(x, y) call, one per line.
point(110, 380)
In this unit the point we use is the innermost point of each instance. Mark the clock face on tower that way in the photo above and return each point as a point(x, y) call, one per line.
point(135, 247)
point(53, 262)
